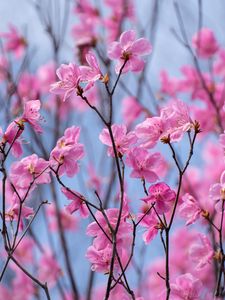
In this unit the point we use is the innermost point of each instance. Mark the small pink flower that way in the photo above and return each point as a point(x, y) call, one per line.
point(124, 232)
point(189, 209)
point(186, 287)
point(176, 119)
point(129, 49)
point(201, 253)
point(149, 131)
point(28, 86)
point(169, 86)
point(217, 192)
point(31, 114)
point(46, 76)
point(152, 225)
point(15, 42)
point(28, 169)
point(64, 157)
point(162, 195)
point(68, 222)
point(92, 72)
point(143, 164)
point(100, 258)
point(205, 43)
point(49, 269)
point(12, 136)
point(123, 140)
point(131, 110)
point(69, 78)
point(78, 202)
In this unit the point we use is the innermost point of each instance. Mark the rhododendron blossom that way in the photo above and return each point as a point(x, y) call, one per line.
point(127, 52)
point(163, 197)
point(190, 209)
point(187, 287)
point(78, 203)
point(29, 169)
point(123, 140)
point(205, 43)
point(69, 78)
point(64, 157)
point(201, 253)
point(143, 164)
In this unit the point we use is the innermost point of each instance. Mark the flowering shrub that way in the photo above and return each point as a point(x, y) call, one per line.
point(101, 197)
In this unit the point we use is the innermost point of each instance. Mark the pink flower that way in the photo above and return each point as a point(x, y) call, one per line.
point(186, 287)
point(149, 131)
point(176, 119)
point(189, 209)
point(128, 50)
point(92, 72)
point(28, 86)
point(84, 34)
point(99, 258)
point(169, 86)
point(143, 164)
point(49, 269)
point(68, 222)
point(28, 169)
point(205, 43)
point(69, 78)
point(11, 136)
point(124, 232)
point(217, 192)
point(64, 157)
point(15, 42)
point(46, 76)
point(123, 140)
point(31, 114)
point(152, 225)
point(131, 110)
point(162, 195)
point(201, 253)
point(78, 202)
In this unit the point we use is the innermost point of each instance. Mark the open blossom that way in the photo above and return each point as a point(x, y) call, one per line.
point(65, 156)
point(12, 137)
point(69, 78)
point(28, 86)
point(201, 253)
point(151, 224)
point(217, 192)
point(46, 76)
point(78, 202)
point(129, 49)
point(99, 258)
point(124, 232)
point(186, 287)
point(15, 42)
point(29, 168)
point(31, 114)
point(189, 209)
point(131, 110)
point(205, 43)
point(162, 195)
point(176, 119)
point(149, 131)
point(92, 72)
point(143, 164)
point(169, 86)
point(123, 140)
point(49, 269)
